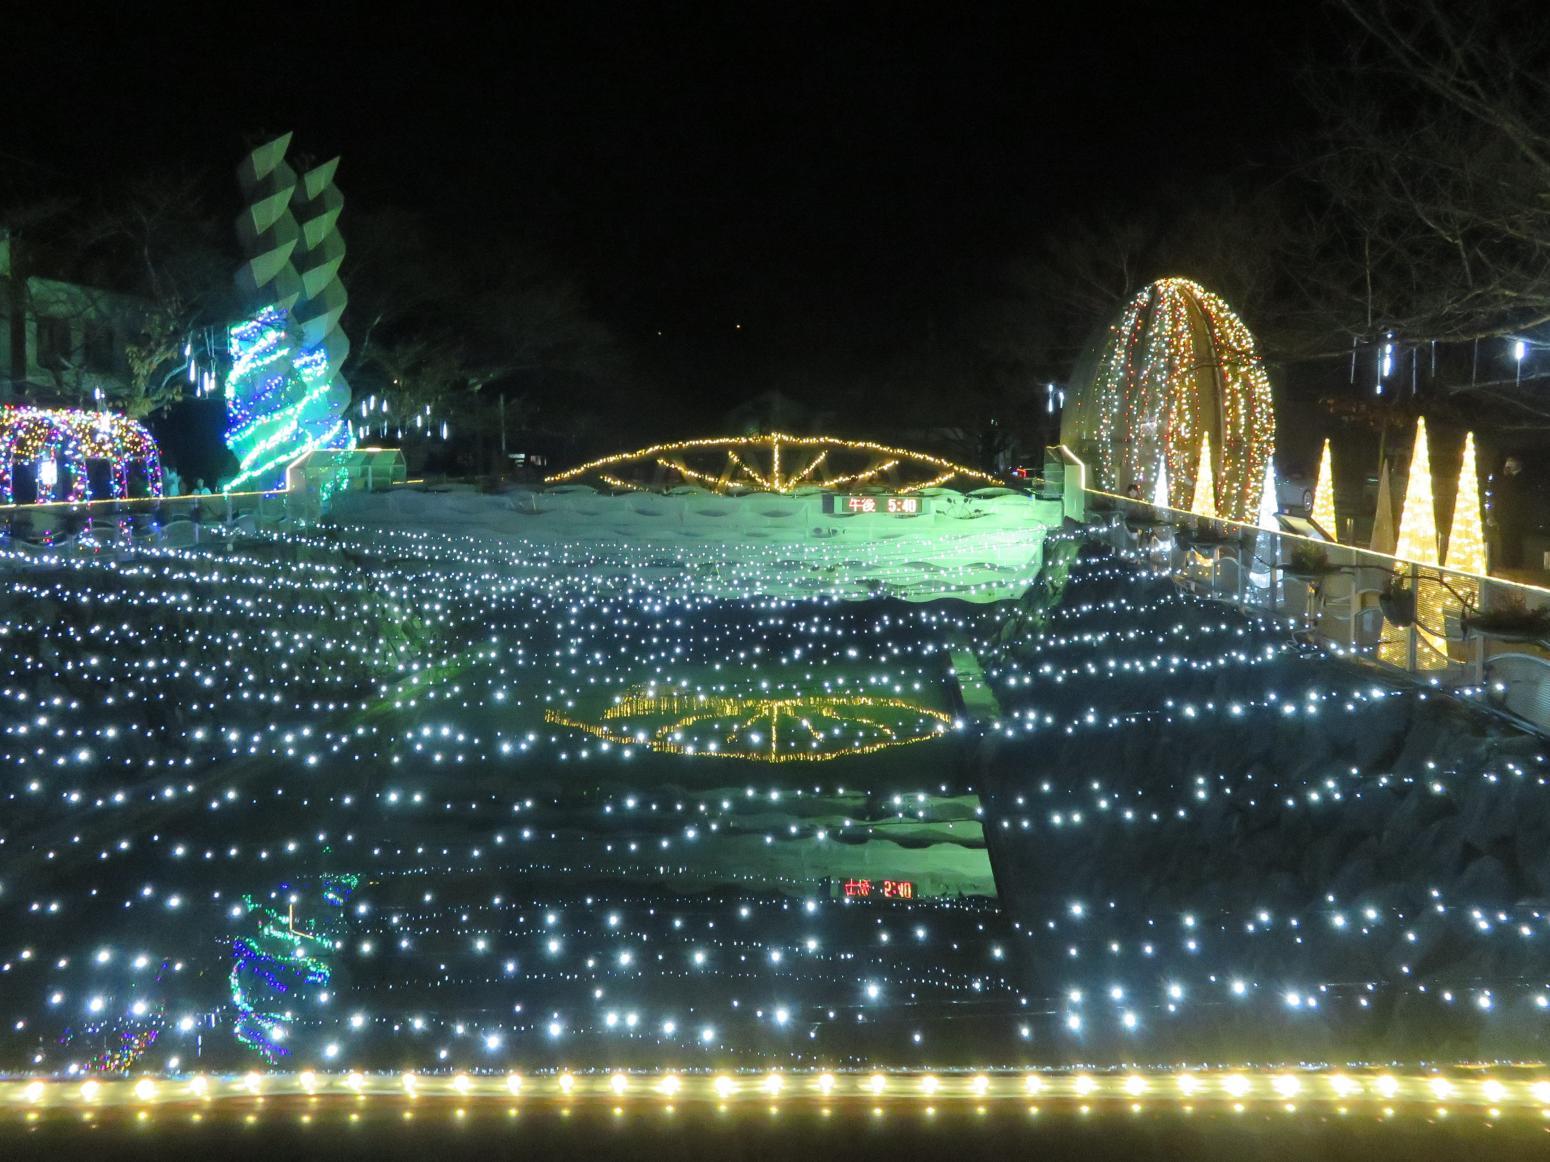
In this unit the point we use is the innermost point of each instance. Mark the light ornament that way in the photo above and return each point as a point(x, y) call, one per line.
point(1466, 537)
point(758, 464)
point(68, 439)
point(1323, 514)
point(1418, 512)
point(278, 400)
point(1203, 503)
point(1178, 364)
point(285, 394)
point(807, 728)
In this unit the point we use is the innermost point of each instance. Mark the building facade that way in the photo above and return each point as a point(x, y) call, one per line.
point(60, 342)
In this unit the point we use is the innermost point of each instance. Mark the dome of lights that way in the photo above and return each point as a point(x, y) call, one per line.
point(1177, 367)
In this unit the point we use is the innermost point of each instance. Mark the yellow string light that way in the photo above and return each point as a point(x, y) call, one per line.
point(775, 446)
point(1466, 538)
point(684, 711)
point(1418, 515)
point(1179, 363)
point(1204, 501)
point(1324, 495)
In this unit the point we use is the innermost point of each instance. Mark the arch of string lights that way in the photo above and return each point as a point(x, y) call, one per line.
point(68, 438)
point(1178, 368)
point(773, 463)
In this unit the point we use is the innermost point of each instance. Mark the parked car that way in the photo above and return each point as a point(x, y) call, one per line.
point(1294, 493)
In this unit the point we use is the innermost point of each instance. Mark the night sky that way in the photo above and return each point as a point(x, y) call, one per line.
point(843, 181)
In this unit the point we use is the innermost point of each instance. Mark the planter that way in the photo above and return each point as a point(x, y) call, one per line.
point(1398, 606)
point(1524, 636)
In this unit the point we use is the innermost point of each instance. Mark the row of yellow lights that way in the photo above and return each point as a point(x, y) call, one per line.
point(1235, 1087)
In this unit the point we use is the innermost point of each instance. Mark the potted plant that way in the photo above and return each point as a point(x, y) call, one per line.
point(1513, 621)
point(1397, 602)
point(1307, 561)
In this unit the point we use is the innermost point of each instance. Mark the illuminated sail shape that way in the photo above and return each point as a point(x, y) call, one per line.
point(1323, 514)
point(1203, 503)
point(1418, 516)
point(1382, 540)
point(1466, 537)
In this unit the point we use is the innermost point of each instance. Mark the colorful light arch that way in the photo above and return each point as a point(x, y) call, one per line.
point(68, 438)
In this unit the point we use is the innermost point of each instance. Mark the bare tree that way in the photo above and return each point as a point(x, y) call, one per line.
point(1434, 171)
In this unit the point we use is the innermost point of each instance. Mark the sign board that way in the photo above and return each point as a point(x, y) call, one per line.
point(842, 503)
point(885, 889)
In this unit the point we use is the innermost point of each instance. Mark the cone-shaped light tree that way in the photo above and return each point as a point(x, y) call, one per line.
point(1466, 538)
point(1418, 514)
point(1323, 513)
point(1204, 502)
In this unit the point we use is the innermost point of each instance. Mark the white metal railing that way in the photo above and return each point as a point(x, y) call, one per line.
point(1422, 620)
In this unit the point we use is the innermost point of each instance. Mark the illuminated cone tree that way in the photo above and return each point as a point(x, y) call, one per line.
point(1466, 538)
point(1323, 513)
point(1418, 515)
point(1204, 500)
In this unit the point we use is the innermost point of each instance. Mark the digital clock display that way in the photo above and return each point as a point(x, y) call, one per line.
point(886, 889)
point(852, 504)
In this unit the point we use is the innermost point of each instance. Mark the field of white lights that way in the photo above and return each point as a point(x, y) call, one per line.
point(411, 814)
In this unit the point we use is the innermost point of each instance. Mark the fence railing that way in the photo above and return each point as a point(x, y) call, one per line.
point(98, 524)
point(1444, 627)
